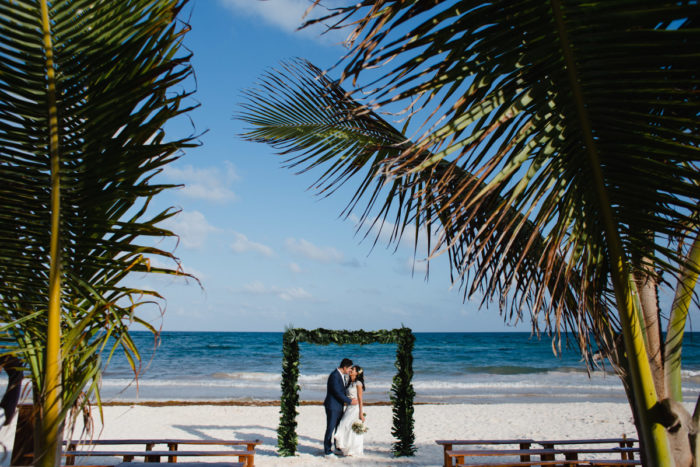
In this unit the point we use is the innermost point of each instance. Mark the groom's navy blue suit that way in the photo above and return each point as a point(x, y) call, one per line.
point(335, 398)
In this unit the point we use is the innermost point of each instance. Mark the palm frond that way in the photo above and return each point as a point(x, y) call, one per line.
point(119, 72)
point(576, 119)
point(301, 112)
point(536, 97)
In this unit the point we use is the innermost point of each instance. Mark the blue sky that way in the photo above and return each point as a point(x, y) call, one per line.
point(268, 251)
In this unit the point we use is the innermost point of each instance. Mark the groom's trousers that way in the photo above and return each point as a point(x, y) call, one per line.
point(333, 416)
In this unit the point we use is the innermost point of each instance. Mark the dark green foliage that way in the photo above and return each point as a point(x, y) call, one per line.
point(121, 75)
point(287, 431)
point(402, 392)
point(402, 395)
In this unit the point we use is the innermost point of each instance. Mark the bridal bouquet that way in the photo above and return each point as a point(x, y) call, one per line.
point(359, 427)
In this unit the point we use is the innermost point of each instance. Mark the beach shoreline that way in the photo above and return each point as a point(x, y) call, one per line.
point(242, 403)
point(237, 420)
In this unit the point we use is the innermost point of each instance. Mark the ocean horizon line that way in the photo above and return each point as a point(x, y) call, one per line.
point(541, 333)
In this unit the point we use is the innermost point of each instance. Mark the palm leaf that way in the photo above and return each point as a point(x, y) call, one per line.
point(82, 111)
point(580, 117)
point(498, 78)
point(301, 112)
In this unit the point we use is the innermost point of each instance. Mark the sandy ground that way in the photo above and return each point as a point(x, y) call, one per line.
point(458, 421)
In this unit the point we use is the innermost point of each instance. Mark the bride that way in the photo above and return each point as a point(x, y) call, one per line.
point(346, 439)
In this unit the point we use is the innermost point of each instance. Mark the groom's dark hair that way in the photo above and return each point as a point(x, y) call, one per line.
point(345, 363)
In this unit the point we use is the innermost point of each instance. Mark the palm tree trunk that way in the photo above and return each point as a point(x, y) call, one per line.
point(653, 435)
point(44, 450)
point(695, 438)
point(649, 303)
point(671, 414)
point(48, 452)
point(677, 321)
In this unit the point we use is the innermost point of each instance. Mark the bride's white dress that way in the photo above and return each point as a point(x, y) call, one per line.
point(349, 442)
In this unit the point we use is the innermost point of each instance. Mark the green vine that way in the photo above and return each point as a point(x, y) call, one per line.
point(402, 393)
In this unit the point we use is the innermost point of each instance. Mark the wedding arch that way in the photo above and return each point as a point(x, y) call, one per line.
point(402, 392)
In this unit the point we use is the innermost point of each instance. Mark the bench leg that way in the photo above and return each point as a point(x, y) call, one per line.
point(149, 447)
point(525, 457)
point(448, 461)
point(172, 447)
point(571, 457)
point(70, 460)
point(547, 457)
point(627, 455)
point(251, 448)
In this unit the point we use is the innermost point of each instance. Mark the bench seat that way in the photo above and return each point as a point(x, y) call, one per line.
point(545, 455)
point(169, 441)
point(561, 462)
point(570, 448)
point(154, 456)
point(182, 464)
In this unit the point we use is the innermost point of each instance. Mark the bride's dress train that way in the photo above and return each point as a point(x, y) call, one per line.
point(349, 442)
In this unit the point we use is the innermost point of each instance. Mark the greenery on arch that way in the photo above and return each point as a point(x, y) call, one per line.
point(402, 392)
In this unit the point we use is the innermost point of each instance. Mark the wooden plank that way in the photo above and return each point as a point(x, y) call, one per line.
point(222, 442)
point(625, 448)
point(449, 443)
point(545, 454)
point(525, 464)
point(467, 442)
point(586, 441)
point(172, 443)
point(243, 456)
point(614, 462)
point(182, 464)
point(157, 453)
point(519, 452)
point(581, 463)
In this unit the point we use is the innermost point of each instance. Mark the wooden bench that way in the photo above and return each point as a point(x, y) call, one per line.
point(246, 457)
point(180, 464)
point(567, 463)
point(154, 456)
point(447, 445)
point(527, 443)
point(546, 456)
point(623, 442)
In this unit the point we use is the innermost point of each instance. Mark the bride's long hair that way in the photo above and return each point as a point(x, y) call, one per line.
point(360, 375)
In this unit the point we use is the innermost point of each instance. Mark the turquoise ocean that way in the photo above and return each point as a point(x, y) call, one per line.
point(448, 368)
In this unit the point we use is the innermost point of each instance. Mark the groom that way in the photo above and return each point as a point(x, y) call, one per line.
point(335, 398)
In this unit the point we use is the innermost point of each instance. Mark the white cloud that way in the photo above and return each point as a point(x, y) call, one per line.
point(295, 268)
point(241, 244)
point(310, 251)
point(295, 293)
point(210, 183)
point(287, 15)
point(286, 294)
point(257, 288)
point(192, 228)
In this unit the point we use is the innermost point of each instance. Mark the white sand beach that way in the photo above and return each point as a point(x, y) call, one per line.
point(456, 421)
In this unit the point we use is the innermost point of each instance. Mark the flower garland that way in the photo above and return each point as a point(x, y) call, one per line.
point(402, 393)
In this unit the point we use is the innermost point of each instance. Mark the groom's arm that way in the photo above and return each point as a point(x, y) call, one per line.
point(339, 390)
